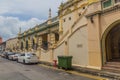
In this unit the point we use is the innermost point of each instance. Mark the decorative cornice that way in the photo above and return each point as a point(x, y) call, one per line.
point(70, 11)
point(68, 4)
point(41, 27)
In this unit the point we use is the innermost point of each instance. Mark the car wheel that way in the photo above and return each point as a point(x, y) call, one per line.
point(24, 62)
point(12, 58)
point(17, 60)
point(8, 58)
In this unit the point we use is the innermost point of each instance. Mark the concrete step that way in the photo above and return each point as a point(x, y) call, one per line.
point(112, 67)
point(115, 63)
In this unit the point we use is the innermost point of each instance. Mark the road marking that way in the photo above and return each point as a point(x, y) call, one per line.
point(76, 73)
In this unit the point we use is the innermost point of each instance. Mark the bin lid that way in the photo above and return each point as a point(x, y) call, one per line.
point(62, 56)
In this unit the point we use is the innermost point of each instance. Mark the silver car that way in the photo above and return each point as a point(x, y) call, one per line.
point(28, 58)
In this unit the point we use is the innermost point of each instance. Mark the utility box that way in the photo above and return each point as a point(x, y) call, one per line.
point(65, 62)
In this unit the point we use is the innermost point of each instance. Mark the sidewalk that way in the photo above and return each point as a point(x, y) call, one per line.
point(92, 72)
point(77, 71)
point(100, 73)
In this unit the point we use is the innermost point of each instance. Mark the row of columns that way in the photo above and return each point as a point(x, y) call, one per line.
point(38, 41)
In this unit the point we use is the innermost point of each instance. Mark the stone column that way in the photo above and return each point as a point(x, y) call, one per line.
point(49, 40)
point(30, 45)
point(52, 39)
point(35, 39)
point(60, 27)
point(24, 44)
point(39, 46)
point(52, 54)
point(39, 42)
point(94, 45)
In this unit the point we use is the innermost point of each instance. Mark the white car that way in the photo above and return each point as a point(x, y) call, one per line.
point(28, 58)
point(14, 56)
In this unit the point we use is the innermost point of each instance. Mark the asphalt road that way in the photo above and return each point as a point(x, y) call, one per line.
point(11, 70)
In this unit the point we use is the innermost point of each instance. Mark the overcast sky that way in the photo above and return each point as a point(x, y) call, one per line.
point(24, 14)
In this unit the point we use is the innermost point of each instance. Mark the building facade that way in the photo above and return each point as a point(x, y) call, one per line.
point(103, 32)
point(73, 32)
point(0, 40)
point(12, 44)
point(88, 30)
point(3, 46)
point(41, 38)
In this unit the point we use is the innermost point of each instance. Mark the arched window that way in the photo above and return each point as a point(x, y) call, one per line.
point(26, 45)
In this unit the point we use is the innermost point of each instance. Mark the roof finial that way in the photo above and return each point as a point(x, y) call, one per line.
point(50, 13)
point(49, 19)
point(20, 30)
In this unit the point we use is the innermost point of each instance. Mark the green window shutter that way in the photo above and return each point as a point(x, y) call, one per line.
point(107, 3)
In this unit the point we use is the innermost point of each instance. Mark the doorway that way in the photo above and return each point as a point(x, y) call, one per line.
point(112, 44)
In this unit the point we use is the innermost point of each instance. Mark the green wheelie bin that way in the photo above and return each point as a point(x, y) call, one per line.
point(65, 62)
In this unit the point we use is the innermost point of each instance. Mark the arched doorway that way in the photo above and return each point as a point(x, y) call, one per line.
point(111, 43)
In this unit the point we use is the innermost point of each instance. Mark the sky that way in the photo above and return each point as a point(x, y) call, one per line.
point(25, 14)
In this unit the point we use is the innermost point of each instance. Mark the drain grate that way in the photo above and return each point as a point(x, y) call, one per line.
point(27, 70)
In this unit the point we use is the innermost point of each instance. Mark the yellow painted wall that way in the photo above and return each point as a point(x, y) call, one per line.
point(13, 42)
point(59, 51)
point(96, 31)
point(73, 13)
point(78, 47)
point(45, 56)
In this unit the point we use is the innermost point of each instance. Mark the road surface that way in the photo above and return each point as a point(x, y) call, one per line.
point(11, 70)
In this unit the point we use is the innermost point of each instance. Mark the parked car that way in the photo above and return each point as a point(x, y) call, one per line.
point(10, 56)
point(28, 58)
point(7, 54)
point(3, 54)
point(14, 56)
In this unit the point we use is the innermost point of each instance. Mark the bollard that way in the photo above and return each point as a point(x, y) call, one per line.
point(55, 63)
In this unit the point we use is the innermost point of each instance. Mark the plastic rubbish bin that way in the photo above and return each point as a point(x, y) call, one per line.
point(65, 62)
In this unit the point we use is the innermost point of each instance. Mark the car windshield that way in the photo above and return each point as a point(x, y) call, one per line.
point(30, 54)
point(17, 54)
point(10, 53)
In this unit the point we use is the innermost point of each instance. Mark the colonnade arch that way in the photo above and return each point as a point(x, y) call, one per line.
point(27, 46)
point(21, 46)
point(33, 42)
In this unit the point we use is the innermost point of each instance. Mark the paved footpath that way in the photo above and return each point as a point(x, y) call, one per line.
point(11, 70)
